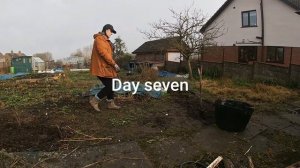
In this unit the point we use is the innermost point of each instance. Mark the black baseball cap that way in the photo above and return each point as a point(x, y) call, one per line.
point(109, 26)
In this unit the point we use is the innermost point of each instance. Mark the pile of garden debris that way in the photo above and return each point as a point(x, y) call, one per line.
point(11, 160)
point(32, 78)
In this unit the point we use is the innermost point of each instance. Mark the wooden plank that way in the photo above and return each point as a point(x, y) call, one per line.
point(295, 165)
point(216, 162)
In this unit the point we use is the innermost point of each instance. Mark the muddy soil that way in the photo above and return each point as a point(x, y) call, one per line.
point(168, 131)
point(42, 126)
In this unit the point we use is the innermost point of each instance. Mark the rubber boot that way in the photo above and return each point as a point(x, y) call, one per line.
point(94, 103)
point(111, 105)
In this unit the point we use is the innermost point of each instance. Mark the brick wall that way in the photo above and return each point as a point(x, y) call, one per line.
point(214, 65)
point(213, 54)
point(237, 71)
point(150, 57)
point(259, 54)
point(257, 71)
point(231, 54)
point(172, 66)
point(295, 73)
point(254, 70)
point(264, 71)
point(296, 56)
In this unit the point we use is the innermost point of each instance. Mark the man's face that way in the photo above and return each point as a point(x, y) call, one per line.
point(108, 33)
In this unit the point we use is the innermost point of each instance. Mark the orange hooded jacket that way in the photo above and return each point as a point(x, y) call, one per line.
point(102, 63)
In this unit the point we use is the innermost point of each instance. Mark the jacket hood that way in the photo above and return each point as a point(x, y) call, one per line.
point(99, 34)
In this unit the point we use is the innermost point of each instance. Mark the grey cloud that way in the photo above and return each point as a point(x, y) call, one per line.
point(62, 26)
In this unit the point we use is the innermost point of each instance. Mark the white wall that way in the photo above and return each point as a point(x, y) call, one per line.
point(231, 18)
point(174, 56)
point(282, 24)
point(37, 64)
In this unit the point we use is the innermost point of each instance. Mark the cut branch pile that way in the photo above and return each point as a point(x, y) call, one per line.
point(84, 138)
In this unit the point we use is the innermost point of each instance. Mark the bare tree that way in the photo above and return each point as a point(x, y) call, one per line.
point(46, 56)
point(77, 53)
point(186, 26)
point(87, 52)
point(58, 63)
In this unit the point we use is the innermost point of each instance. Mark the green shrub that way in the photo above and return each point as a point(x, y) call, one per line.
point(123, 61)
point(241, 82)
point(147, 74)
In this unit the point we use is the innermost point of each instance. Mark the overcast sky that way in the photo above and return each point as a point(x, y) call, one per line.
point(63, 26)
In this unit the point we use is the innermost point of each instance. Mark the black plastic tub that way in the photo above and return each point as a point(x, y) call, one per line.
point(232, 115)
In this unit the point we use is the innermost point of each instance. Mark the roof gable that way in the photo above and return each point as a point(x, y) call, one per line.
point(37, 59)
point(219, 11)
point(293, 3)
point(158, 45)
point(20, 57)
point(13, 55)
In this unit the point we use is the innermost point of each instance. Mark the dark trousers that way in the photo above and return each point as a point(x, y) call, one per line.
point(107, 90)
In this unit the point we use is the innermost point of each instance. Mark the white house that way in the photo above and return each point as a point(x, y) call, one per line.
point(256, 30)
point(38, 64)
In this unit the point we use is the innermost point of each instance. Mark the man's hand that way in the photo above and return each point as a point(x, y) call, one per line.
point(117, 67)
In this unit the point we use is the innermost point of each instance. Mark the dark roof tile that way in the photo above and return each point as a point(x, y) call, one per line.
point(293, 3)
point(158, 45)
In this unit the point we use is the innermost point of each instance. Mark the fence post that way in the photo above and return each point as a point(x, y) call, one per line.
point(253, 70)
point(290, 66)
point(223, 62)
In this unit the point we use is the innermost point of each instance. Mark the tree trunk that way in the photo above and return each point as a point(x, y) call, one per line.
point(200, 84)
point(190, 70)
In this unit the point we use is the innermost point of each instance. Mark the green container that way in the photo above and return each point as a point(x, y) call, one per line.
point(12, 70)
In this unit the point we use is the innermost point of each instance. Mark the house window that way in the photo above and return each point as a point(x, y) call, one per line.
point(247, 54)
point(24, 60)
point(275, 55)
point(249, 18)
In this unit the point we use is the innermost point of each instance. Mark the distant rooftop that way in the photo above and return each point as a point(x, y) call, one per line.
point(160, 45)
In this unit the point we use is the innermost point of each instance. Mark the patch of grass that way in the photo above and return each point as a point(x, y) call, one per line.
point(22, 94)
point(119, 122)
point(240, 82)
point(80, 76)
point(271, 82)
point(66, 109)
point(257, 93)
